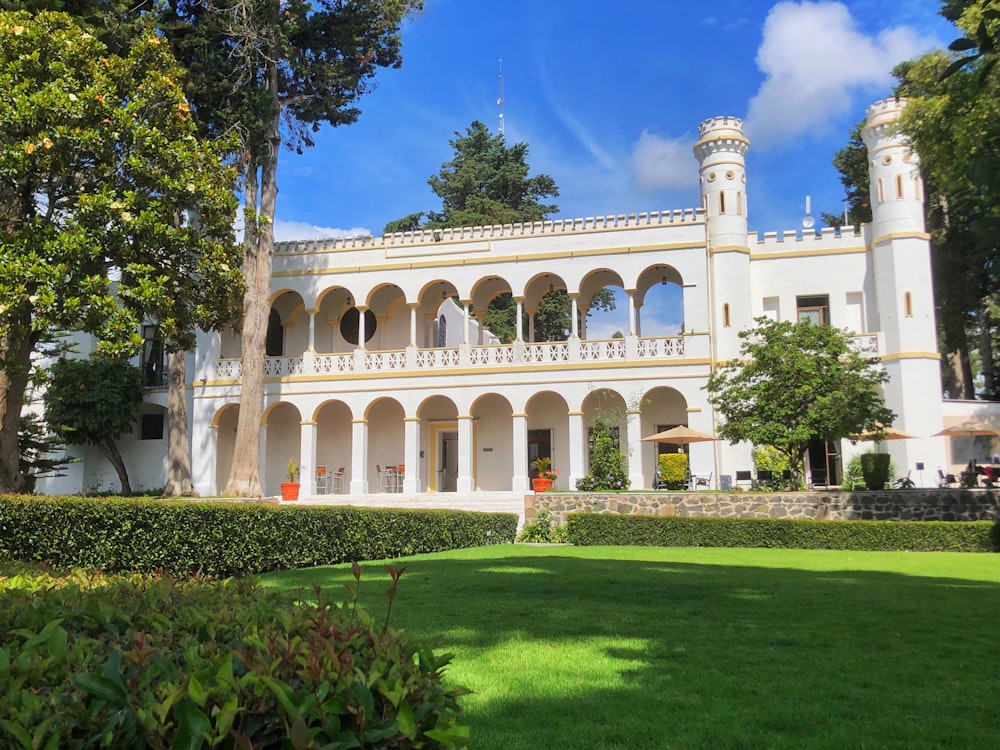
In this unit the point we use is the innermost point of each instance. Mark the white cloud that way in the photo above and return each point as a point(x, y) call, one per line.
point(815, 59)
point(662, 163)
point(300, 230)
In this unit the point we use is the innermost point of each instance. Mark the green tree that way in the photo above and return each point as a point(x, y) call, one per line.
point(274, 72)
point(953, 121)
point(485, 183)
point(99, 164)
point(94, 402)
point(852, 163)
point(795, 383)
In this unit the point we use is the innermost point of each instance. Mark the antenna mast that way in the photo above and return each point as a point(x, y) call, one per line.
point(500, 97)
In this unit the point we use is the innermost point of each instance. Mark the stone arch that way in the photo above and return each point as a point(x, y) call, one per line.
point(334, 439)
point(660, 301)
point(438, 416)
point(548, 433)
point(282, 423)
point(492, 416)
point(602, 324)
point(662, 407)
point(386, 438)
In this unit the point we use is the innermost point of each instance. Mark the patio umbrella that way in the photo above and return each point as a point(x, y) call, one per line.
point(680, 435)
point(885, 433)
point(970, 428)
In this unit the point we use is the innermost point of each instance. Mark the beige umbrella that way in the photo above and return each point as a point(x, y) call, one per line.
point(970, 428)
point(885, 433)
point(680, 435)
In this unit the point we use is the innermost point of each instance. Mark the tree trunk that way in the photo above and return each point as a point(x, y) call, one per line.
point(244, 479)
point(15, 368)
point(113, 455)
point(990, 386)
point(178, 445)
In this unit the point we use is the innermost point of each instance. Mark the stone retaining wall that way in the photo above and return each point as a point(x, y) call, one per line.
point(836, 505)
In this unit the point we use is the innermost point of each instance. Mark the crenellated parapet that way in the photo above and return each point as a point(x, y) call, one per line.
point(499, 231)
point(721, 134)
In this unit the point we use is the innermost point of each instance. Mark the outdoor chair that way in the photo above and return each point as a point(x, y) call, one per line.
point(338, 480)
point(701, 480)
point(765, 479)
point(744, 476)
point(322, 481)
point(385, 479)
point(855, 481)
point(946, 480)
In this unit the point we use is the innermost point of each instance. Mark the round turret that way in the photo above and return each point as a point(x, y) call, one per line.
point(721, 150)
point(897, 192)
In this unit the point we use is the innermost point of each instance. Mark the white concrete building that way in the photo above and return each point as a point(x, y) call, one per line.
point(376, 357)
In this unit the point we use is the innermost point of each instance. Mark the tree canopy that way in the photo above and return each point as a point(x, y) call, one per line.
point(99, 164)
point(795, 383)
point(485, 183)
point(94, 402)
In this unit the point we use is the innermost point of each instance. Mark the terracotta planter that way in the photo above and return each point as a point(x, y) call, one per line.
point(289, 490)
point(541, 485)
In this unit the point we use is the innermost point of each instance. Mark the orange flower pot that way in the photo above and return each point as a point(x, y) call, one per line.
point(289, 490)
point(539, 484)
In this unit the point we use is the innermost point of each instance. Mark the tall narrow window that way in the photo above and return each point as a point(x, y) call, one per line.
point(722, 203)
point(739, 203)
point(918, 188)
point(908, 304)
point(725, 315)
point(899, 186)
point(880, 191)
point(154, 371)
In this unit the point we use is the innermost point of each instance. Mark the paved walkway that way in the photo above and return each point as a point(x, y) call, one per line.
point(487, 502)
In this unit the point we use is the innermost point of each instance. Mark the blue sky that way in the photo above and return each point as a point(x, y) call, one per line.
point(609, 98)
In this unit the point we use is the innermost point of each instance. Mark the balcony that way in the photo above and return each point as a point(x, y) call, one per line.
point(518, 354)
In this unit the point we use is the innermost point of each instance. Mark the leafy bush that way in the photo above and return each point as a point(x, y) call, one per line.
point(679, 531)
point(608, 470)
point(673, 470)
point(875, 469)
point(226, 539)
point(541, 529)
point(151, 662)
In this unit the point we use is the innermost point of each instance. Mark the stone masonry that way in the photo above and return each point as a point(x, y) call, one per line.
point(834, 505)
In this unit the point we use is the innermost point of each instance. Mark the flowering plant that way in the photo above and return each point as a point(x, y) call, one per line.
point(543, 465)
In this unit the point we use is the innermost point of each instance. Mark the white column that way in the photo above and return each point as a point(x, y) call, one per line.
point(631, 311)
point(411, 453)
point(577, 448)
point(361, 326)
point(312, 331)
point(359, 457)
point(518, 322)
point(633, 436)
point(413, 323)
point(465, 321)
point(574, 333)
point(519, 463)
point(307, 466)
point(466, 482)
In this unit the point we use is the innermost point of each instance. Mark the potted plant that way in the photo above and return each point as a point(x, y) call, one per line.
point(546, 474)
point(290, 489)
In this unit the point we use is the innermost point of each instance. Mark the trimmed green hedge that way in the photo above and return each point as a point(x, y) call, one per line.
point(678, 531)
point(226, 539)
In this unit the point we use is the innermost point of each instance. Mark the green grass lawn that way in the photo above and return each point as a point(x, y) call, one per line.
point(706, 648)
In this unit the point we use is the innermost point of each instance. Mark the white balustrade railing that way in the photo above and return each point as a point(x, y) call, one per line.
point(602, 351)
point(437, 358)
point(866, 343)
point(546, 353)
point(494, 355)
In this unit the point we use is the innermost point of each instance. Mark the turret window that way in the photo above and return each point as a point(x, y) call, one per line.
point(908, 304)
point(725, 315)
point(899, 186)
point(879, 191)
point(739, 203)
point(722, 203)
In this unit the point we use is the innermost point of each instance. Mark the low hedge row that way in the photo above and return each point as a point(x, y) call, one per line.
point(679, 531)
point(227, 539)
point(142, 662)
